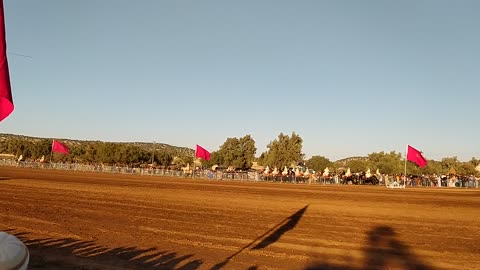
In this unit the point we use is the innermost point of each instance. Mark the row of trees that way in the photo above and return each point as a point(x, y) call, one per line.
point(97, 152)
point(234, 153)
point(287, 151)
point(240, 153)
point(394, 163)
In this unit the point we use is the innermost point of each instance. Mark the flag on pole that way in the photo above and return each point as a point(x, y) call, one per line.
point(6, 100)
point(416, 156)
point(59, 147)
point(202, 153)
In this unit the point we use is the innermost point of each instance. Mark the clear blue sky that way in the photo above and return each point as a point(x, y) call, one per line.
point(350, 77)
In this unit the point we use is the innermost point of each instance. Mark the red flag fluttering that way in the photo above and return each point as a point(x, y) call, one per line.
point(6, 100)
point(202, 153)
point(416, 156)
point(59, 147)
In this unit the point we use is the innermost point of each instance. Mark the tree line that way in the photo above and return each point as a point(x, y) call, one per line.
point(234, 153)
point(96, 152)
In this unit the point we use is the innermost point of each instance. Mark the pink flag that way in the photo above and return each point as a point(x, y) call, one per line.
point(6, 100)
point(416, 156)
point(59, 147)
point(202, 153)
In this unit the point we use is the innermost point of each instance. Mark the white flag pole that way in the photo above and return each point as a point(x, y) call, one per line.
point(405, 175)
point(194, 157)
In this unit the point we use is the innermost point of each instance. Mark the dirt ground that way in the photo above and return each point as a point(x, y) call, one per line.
point(78, 220)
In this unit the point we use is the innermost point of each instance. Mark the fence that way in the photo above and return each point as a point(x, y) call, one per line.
point(205, 174)
point(217, 175)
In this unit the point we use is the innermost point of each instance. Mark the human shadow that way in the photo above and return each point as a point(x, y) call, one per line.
point(288, 224)
point(382, 251)
point(69, 253)
point(270, 236)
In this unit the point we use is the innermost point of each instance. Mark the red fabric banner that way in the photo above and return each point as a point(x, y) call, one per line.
point(59, 147)
point(416, 156)
point(6, 100)
point(202, 153)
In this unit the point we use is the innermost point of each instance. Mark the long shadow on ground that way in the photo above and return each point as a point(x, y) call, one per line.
point(269, 237)
point(382, 252)
point(288, 224)
point(68, 253)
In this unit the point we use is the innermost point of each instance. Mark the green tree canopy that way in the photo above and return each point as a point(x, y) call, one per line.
point(318, 163)
point(386, 163)
point(238, 153)
point(283, 151)
point(163, 158)
point(357, 165)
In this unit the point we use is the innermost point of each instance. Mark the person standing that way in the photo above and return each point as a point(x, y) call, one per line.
point(471, 181)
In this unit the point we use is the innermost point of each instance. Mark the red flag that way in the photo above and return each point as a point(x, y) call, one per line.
point(59, 147)
point(202, 153)
point(416, 156)
point(6, 100)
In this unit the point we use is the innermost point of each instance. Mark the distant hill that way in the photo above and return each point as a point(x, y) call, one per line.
point(345, 160)
point(149, 146)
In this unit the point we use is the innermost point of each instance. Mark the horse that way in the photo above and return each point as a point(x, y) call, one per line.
point(368, 178)
point(349, 177)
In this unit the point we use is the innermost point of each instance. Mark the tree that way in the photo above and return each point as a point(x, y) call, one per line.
point(475, 162)
point(386, 163)
point(283, 151)
point(247, 145)
point(357, 165)
point(76, 152)
point(238, 153)
point(433, 167)
point(90, 154)
point(41, 148)
point(183, 160)
point(466, 168)
point(318, 163)
point(106, 153)
point(449, 164)
point(214, 160)
point(164, 158)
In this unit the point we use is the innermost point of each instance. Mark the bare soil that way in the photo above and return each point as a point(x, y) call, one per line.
point(78, 220)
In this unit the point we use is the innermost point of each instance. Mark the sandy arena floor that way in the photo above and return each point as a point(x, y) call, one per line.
point(76, 220)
